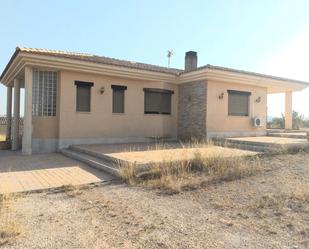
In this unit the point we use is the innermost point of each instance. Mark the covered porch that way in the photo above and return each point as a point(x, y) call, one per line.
point(20, 137)
point(286, 88)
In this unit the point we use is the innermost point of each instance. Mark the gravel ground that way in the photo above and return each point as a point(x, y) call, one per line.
point(267, 210)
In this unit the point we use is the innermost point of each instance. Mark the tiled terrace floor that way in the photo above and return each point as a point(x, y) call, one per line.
point(28, 173)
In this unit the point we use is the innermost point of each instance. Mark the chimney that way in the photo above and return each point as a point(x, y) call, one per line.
point(191, 61)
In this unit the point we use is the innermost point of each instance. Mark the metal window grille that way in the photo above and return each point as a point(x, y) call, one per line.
point(44, 93)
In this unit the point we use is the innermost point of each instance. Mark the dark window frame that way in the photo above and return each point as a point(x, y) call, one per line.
point(162, 91)
point(83, 84)
point(121, 89)
point(241, 93)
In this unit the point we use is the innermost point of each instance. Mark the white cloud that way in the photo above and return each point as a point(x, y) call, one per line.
point(292, 61)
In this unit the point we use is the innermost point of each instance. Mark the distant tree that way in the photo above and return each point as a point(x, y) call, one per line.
point(299, 121)
point(276, 123)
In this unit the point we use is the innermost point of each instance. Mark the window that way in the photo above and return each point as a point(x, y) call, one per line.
point(44, 93)
point(83, 96)
point(157, 101)
point(118, 98)
point(238, 103)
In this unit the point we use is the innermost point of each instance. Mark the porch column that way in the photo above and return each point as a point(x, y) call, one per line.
point(27, 132)
point(288, 110)
point(8, 113)
point(15, 127)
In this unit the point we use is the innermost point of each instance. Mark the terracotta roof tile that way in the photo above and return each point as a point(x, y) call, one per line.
point(101, 59)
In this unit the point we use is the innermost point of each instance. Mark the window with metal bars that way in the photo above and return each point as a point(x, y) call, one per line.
point(44, 93)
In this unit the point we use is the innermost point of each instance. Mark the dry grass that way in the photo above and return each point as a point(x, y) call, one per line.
point(174, 177)
point(10, 227)
point(280, 204)
point(71, 190)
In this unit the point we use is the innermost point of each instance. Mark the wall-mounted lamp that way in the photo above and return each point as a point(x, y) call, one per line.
point(258, 100)
point(221, 96)
point(102, 90)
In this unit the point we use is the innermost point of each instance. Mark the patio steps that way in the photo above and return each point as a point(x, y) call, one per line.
point(244, 145)
point(92, 161)
point(288, 135)
point(266, 147)
point(4, 145)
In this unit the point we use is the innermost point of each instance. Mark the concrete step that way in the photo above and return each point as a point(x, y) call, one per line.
point(5, 145)
point(93, 161)
point(92, 153)
point(285, 131)
point(288, 135)
point(244, 145)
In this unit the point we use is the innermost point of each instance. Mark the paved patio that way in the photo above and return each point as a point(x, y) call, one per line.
point(28, 173)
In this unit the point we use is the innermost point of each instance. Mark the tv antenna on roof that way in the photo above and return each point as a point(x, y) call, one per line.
point(170, 53)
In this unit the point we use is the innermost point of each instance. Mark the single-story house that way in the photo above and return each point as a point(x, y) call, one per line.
point(74, 98)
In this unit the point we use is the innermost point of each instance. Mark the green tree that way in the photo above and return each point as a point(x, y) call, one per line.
point(299, 121)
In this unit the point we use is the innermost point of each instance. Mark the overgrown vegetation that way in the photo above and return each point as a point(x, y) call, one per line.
point(299, 122)
point(10, 227)
point(280, 204)
point(71, 190)
point(174, 176)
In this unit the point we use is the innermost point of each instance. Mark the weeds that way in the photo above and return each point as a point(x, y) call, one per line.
point(71, 190)
point(9, 225)
point(175, 176)
point(282, 203)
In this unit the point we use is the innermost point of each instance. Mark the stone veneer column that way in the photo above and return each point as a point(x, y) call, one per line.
point(192, 107)
point(27, 132)
point(15, 126)
point(288, 111)
point(8, 113)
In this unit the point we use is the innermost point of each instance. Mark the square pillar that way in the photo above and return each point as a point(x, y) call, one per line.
point(288, 111)
point(15, 126)
point(27, 132)
point(8, 113)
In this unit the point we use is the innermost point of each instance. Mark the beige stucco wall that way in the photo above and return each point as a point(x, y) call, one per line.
point(101, 125)
point(101, 122)
point(218, 120)
point(45, 127)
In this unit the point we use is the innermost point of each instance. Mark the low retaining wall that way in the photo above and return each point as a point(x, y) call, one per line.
point(2, 130)
point(3, 124)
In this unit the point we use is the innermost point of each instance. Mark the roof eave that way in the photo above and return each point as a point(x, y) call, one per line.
point(218, 74)
point(59, 63)
point(17, 50)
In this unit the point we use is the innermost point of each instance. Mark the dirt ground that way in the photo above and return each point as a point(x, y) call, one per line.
point(268, 210)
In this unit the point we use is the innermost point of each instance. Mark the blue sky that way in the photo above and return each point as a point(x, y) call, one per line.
point(263, 36)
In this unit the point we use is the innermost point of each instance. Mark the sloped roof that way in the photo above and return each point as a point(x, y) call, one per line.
point(100, 59)
point(130, 64)
point(232, 70)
